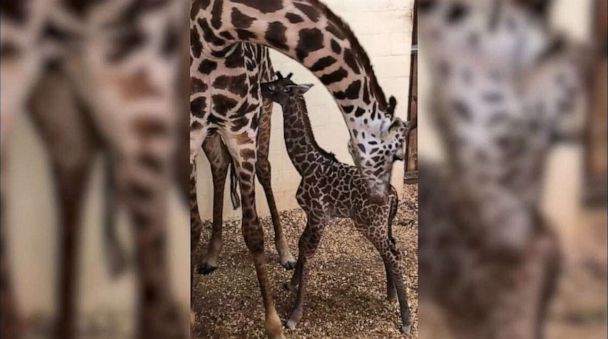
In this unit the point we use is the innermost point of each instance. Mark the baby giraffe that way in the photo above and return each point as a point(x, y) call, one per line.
point(330, 189)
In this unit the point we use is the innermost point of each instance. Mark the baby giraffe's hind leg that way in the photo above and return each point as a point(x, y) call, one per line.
point(219, 159)
point(392, 263)
point(391, 292)
point(263, 172)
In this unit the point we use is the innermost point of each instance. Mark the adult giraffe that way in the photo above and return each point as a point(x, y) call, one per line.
point(222, 33)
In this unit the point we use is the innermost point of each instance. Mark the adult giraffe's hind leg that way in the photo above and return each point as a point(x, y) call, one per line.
point(219, 159)
point(243, 151)
point(263, 172)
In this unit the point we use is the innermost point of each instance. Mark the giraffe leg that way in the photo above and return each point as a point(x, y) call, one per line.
point(391, 292)
point(219, 159)
point(54, 107)
point(71, 184)
point(292, 284)
point(308, 243)
point(392, 262)
point(196, 223)
point(244, 155)
point(116, 256)
point(139, 125)
point(263, 172)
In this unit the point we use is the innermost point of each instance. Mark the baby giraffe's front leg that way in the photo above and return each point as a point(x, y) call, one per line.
point(308, 243)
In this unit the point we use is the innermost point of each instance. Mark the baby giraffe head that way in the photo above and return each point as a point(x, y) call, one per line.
point(283, 88)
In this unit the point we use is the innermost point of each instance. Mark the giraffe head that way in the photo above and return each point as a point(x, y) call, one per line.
point(393, 147)
point(512, 32)
point(283, 88)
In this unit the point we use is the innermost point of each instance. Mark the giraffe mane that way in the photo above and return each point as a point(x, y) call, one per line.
point(359, 51)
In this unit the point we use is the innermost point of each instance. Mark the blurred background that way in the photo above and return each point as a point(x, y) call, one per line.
point(574, 200)
point(105, 305)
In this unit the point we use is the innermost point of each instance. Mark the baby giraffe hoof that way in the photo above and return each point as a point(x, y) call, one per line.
point(291, 324)
point(406, 329)
point(206, 269)
point(289, 265)
point(288, 287)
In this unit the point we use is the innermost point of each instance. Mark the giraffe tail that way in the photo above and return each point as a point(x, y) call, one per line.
point(234, 193)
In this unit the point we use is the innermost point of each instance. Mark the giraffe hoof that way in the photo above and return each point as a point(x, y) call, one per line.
point(289, 265)
point(406, 329)
point(290, 324)
point(287, 286)
point(206, 269)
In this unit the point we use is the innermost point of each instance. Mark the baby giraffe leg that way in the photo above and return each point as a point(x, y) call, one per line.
point(391, 292)
point(308, 243)
point(219, 159)
point(392, 263)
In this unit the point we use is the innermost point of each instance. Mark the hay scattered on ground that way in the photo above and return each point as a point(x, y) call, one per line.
point(346, 293)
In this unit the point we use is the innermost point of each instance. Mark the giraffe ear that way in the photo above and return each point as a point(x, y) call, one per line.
point(303, 88)
point(392, 103)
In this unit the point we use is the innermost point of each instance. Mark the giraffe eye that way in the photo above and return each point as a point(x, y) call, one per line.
point(271, 87)
point(285, 90)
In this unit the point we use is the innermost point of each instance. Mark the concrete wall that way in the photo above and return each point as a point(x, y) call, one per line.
point(384, 28)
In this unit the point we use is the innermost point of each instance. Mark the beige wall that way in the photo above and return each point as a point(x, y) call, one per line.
point(384, 28)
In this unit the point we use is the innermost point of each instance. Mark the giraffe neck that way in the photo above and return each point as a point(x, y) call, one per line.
point(310, 33)
point(300, 141)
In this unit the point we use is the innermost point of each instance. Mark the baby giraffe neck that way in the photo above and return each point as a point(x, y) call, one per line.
point(301, 145)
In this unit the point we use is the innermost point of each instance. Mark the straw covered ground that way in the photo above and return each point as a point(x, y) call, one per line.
point(346, 295)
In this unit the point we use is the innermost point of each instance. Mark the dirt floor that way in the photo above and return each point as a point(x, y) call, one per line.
point(346, 293)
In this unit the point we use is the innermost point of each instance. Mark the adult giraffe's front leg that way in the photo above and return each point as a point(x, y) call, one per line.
point(219, 159)
point(135, 106)
point(263, 172)
point(243, 149)
point(55, 107)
